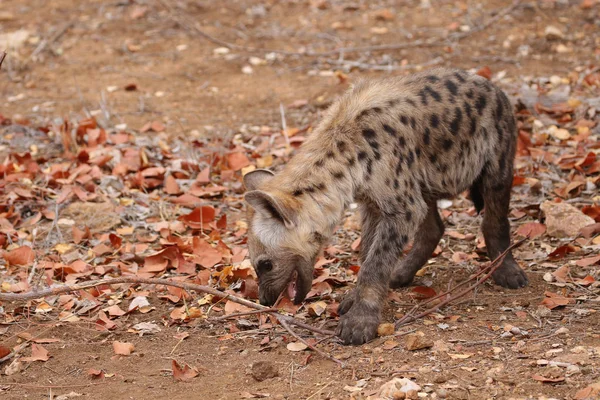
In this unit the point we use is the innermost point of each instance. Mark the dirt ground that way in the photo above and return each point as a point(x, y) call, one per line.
point(128, 63)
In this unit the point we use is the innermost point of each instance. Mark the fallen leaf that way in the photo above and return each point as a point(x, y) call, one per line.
point(531, 230)
point(183, 374)
point(38, 353)
point(123, 348)
point(23, 255)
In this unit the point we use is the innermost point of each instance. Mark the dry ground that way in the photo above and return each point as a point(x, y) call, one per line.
point(95, 49)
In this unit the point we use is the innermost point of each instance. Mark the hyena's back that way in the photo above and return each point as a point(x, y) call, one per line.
point(426, 136)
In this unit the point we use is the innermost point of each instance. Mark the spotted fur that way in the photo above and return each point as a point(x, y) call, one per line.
point(395, 146)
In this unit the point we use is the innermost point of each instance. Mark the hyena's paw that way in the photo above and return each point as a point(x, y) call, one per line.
point(510, 275)
point(347, 302)
point(401, 277)
point(358, 326)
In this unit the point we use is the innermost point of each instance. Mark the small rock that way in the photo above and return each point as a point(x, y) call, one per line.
point(246, 69)
point(553, 33)
point(221, 51)
point(386, 329)
point(262, 370)
point(564, 220)
point(417, 341)
point(561, 331)
point(442, 393)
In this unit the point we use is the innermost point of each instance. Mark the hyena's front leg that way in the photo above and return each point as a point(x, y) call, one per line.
point(384, 237)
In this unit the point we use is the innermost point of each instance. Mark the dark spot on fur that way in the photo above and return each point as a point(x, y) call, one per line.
point(369, 134)
point(404, 119)
point(408, 216)
point(418, 152)
point(330, 154)
point(432, 78)
point(389, 130)
point(451, 86)
point(386, 247)
point(396, 184)
point(369, 167)
point(413, 122)
point(310, 189)
point(362, 155)
point(499, 106)
point(460, 77)
point(484, 131)
point(434, 120)
point(447, 144)
point(433, 158)
point(341, 145)
point(338, 175)
point(377, 109)
point(363, 114)
point(392, 103)
point(502, 164)
point(351, 161)
point(320, 186)
point(473, 127)
point(436, 96)
point(480, 104)
point(470, 93)
point(426, 136)
point(467, 108)
point(411, 102)
point(455, 124)
point(297, 192)
point(399, 167)
point(411, 199)
point(377, 155)
point(401, 141)
point(374, 145)
point(411, 158)
point(319, 163)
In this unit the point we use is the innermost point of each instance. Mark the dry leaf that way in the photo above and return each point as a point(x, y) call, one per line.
point(123, 348)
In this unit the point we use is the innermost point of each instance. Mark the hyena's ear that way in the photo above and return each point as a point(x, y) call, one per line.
point(271, 206)
point(253, 179)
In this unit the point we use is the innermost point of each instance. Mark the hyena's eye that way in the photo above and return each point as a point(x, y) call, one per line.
point(264, 266)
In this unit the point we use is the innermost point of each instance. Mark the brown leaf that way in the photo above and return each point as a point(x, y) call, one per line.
point(237, 161)
point(204, 253)
point(171, 185)
point(38, 353)
point(95, 373)
point(553, 300)
point(4, 351)
point(590, 230)
point(531, 230)
point(23, 255)
point(423, 292)
point(586, 262)
point(486, 72)
point(183, 374)
point(562, 251)
point(123, 348)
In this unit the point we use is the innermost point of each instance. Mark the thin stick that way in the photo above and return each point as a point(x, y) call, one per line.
point(241, 314)
point(2, 57)
point(490, 269)
point(431, 42)
point(310, 346)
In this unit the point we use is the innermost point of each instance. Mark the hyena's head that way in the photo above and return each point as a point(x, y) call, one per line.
point(283, 248)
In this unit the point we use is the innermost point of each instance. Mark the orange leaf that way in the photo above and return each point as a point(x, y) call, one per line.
point(4, 351)
point(171, 185)
point(554, 300)
point(531, 230)
point(95, 373)
point(562, 251)
point(562, 274)
point(205, 254)
point(586, 262)
point(423, 292)
point(237, 161)
point(486, 72)
point(23, 255)
point(38, 353)
point(183, 374)
point(541, 378)
point(231, 307)
point(123, 348)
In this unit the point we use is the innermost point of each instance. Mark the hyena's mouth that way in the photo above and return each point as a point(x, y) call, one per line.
point(291, 287)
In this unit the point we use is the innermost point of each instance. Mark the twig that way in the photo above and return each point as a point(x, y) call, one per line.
point(310, 346)
point(489, 270)
point(379, 67)
point(431, 42)
point(241, 314)
point(284, 320)
point(44, 43)
point(2, 57)
point(320, 390)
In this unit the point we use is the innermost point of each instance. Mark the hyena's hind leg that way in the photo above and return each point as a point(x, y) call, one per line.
point(495, 193)
point(426, 239)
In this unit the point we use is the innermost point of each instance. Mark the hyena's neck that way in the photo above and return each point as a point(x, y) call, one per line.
point(321, 188)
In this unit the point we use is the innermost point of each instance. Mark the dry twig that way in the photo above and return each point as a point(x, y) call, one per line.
point(2, 56)
point(431, 42)
point(488, 271)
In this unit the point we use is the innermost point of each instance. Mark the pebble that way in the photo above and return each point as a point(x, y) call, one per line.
point(262, 370)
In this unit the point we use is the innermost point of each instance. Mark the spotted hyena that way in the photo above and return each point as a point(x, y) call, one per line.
point(394, 146)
